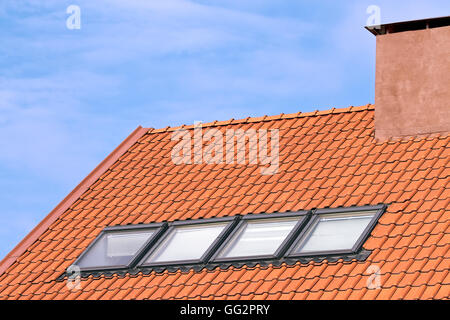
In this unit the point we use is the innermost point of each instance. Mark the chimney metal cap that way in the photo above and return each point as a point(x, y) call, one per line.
point(409, 25)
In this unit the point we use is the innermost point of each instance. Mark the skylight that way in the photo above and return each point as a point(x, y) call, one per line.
point(275, 236)
point(115, 248)
point(260, 237)
point(186, 243)
point(330, 232)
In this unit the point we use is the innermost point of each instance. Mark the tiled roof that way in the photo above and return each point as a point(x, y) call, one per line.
point(327, 159)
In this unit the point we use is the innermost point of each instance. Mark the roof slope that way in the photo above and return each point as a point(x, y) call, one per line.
point(327, 159)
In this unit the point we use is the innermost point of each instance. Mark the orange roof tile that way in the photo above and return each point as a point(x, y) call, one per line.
point(327, 159)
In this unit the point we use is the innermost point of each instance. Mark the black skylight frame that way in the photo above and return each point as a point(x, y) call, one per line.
point(285, 245)
point(232, 223)
point(284, 254)
point(159, 228)
point(315, 217)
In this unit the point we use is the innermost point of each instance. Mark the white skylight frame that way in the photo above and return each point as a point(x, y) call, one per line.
point(306, 232)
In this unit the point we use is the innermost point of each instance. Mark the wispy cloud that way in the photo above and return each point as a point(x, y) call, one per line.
point(67, 97)
point(44, 125)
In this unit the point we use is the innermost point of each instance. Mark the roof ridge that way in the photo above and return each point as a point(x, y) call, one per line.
point(266, 118)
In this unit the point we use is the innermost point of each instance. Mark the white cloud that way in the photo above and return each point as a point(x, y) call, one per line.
point(42, 121)
point(67, 97)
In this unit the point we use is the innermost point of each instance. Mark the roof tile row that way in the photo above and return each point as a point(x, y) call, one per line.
point(327, 159)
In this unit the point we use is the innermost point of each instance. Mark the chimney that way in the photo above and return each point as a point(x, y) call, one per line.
point(412, 79)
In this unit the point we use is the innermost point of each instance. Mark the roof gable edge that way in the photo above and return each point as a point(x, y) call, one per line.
point(32, 236)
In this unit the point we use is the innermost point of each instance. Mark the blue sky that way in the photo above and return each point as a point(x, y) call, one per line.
point(69, 97)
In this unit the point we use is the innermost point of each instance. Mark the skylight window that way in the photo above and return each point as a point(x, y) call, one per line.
point(115, 248)
point(276, 236)
point(186, 242)
point(263, 237)
point(334, 232)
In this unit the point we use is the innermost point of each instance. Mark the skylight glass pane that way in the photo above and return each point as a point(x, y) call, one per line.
point(187, 242)
point(335, 232)
point(119, 245)
point(115, 248)
point(259, 237)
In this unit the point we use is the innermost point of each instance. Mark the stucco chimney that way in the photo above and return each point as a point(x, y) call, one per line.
point(412, 84)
